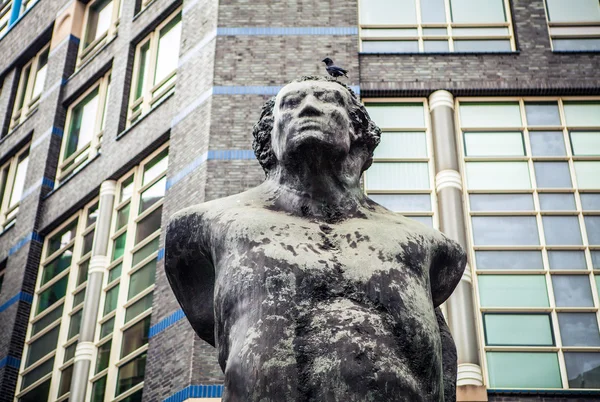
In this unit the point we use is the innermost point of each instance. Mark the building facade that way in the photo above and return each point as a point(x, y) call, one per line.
point(114, 114)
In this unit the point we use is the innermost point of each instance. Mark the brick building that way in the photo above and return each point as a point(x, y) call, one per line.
point(114, 114)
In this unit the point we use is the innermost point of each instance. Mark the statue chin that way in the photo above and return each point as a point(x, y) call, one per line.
point(311, 140)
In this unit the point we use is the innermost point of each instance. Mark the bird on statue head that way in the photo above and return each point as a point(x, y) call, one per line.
point(334, 70)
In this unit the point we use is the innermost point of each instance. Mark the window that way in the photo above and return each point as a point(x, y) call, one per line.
point(31, 86)
point(5, 15)
point(100, 26)
point(11, 11)
point(12, 184)
point(574, 25)
point(57, 309)
point(532, 191)
point(401, 175)
point(126, 303)
point(85, 124)
point(155, 67)
point(435, 26)
point(2, 273)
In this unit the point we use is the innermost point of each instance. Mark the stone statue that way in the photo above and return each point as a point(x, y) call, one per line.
point(310, 290)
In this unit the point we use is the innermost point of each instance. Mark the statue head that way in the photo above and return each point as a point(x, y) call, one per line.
point(314, 112)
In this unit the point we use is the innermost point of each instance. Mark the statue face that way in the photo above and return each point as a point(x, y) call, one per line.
point(311, 113)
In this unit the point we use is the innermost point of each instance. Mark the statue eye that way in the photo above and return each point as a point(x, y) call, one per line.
point(290, 102)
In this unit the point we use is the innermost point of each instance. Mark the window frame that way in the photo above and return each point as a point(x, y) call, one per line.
point(8, 213)
point(67, 301)
point(593, 30)
point(87, 52)
point(538, 213)
point(25, 90)
point(152, 94)
point(92, 149)
point(449, 25)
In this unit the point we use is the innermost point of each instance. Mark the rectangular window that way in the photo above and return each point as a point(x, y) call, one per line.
point(30, 88)
point(534, 226)
point(58, 305)
point(12, 183)
point(5, 14)
point(155, 67)
point(101, 20)
point(417, 26)
point(401, 177)
point(574, 25)
point(84, 130)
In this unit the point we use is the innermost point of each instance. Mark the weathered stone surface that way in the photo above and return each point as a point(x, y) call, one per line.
point(310, 290)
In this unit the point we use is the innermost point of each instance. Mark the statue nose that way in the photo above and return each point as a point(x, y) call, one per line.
point(309, 108)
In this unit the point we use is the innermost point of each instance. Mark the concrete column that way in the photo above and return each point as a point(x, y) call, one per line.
point(460, 306)
point(98, 263)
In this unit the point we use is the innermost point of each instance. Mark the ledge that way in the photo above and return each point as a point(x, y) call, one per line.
point(511, 53)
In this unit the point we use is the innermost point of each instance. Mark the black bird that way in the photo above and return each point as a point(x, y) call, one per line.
point(334, 70)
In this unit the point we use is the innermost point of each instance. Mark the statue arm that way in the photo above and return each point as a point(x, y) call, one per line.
point(190, 270)
point(447, 267)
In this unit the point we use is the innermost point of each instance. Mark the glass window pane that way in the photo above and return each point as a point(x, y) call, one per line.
point(38, 394)
point(168, 49)
point(592, 226)
point(586, 114)
point(480, 32)
point(40, 76)
point(572, 291)
point(402, 145)
point(19, 181)
point(81, 126)
point(156, 167)
point(498, 175)
point(104, 13)
point(585, 142)
point(433, 11)
point(56, 266)
point(487, 45)
point(103, 356)
point(519, 260)
point(501, 202)
point(596, 262)
point(557, 202)
point(523, 370)
point(142, 279)
point(587, 174)
point(397, 115)
point(148, 225)
point(547, 143)
point(88, 240)
point(135, 397)
point(42, 346)
point(115, 272)
point(47, 319)
point(135, 336)
point(138, 307)
point(518, 330)
point(62, 238)
point(75, 324)
point(552, 174)
point(144, 66)
point(567, 260)
point(542, 114)
point(388, 33)
point(387, 12)
point(150, 197)
point(83, 272)
point(436, 46)
point(145, 251)
point(110, 303)
point(126, 189)
point(78, 298)
point(403, 202)
point(513, 291)
point(494, 144)
point(131, 374)
point(580, 44)
point(119, 246)
point(51, 295)
point(398, 176)
point(590, 201)
point(65, 380)
point(478, 12)
point(505, 230)
point(434, 31)
point(70, 352)
point(37, 373)
point(123, 216)
point(579, 329)
point(562, 230)
point(107, 328)
point(92, 215)
point(583, 369)
point(490, 115)
point(98, 390)
point(390, 46)
point(566, 11)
